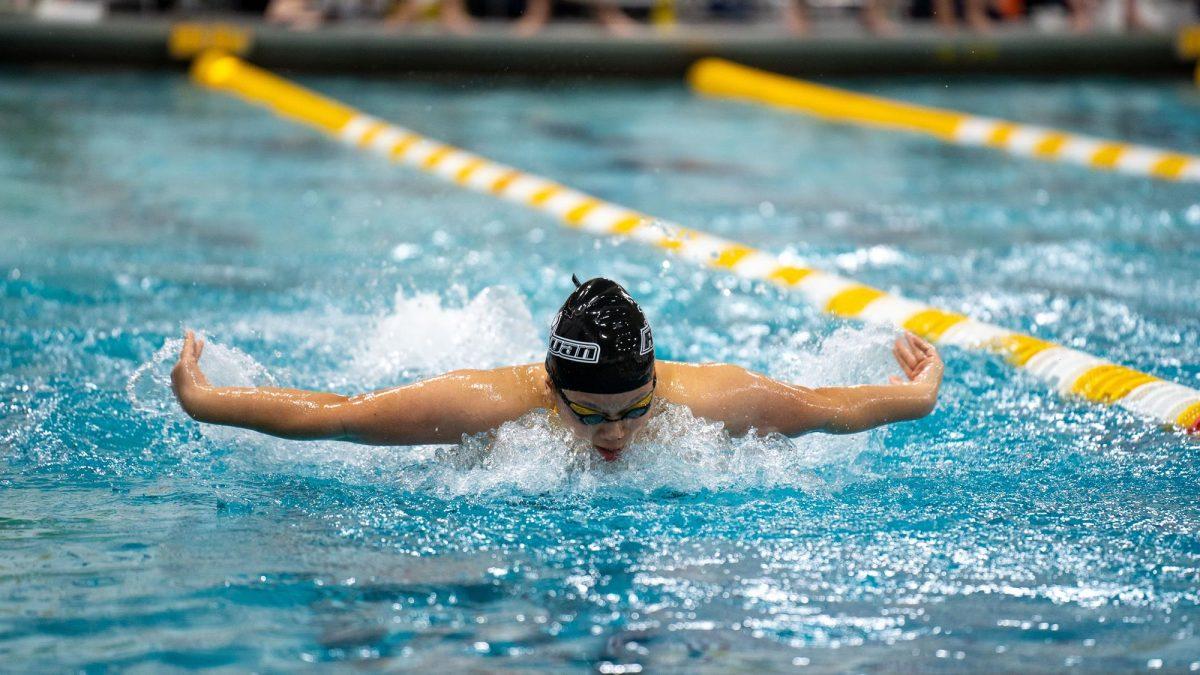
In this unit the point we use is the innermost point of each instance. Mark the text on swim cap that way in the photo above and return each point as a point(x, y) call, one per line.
point(581, 352)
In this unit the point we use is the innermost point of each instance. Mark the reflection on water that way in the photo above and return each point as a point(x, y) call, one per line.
point(1013, 530)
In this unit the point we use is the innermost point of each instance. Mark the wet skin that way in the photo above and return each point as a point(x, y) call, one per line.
point(612, 436)
point(444, 408)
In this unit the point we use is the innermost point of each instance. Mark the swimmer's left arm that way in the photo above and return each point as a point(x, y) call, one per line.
point(744, 400)
point(863, 407)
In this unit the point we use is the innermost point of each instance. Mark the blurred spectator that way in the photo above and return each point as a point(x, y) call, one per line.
point(452, 14)
point(622, 17)
point(1084, 16)
point(945, 13)
point(873, 16)
point(531, 16)
point(612, 14)
point(1132, 16)
point(298, 14)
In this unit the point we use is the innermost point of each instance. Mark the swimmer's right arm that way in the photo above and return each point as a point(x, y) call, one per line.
point(438, 410)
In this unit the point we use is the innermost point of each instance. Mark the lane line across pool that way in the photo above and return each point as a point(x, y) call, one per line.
point(1069, 371)
point(717, 77)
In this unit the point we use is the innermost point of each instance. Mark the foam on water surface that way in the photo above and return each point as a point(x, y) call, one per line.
point(426, 335)
point(1012, 530)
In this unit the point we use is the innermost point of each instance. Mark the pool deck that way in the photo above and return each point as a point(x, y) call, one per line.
point(584, 50)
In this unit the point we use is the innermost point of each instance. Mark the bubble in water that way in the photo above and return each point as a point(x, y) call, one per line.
point(405, 251)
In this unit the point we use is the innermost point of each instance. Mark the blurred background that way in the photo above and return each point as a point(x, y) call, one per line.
point(627, 18)
point(1014, 530)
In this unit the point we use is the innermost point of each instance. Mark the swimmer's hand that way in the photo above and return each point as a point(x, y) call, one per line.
point(922, 366)
point(187, 380)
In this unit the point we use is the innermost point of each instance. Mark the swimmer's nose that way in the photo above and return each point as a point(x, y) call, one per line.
point(612, 432)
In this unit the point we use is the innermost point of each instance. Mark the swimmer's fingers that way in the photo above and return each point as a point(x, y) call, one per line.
point(903, 353)
point(197, 374)
point(191, 348)
point(186, 349)
point(920, 345)
point(905, 356)
point(189, 358)
point(924, 350)
point(180, 377)
point(898, 351)
point(930, 364)
point(917, 357)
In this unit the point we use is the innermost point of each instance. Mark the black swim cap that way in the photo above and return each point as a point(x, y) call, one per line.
point(600, 342)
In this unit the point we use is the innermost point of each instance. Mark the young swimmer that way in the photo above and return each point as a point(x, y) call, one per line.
point(600, 377)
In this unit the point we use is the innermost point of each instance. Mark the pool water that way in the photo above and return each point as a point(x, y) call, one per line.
point(1011, 530)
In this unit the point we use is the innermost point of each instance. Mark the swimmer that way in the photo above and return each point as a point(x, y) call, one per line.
point(600, 378)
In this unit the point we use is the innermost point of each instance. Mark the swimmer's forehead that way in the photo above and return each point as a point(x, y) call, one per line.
point(609, 402)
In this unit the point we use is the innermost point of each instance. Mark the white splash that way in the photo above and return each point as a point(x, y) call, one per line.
point(534, 454)
point(424, 336)
point(849, 355)
point(149, 387)
point(675, 451)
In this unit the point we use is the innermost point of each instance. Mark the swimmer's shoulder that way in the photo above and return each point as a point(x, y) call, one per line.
point(526, 383)
point(690, 383)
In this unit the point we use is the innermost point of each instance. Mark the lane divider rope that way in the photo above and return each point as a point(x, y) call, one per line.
point(1069, 371)
point(717, 77)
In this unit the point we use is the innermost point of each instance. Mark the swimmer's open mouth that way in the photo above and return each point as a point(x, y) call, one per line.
point(609, 454)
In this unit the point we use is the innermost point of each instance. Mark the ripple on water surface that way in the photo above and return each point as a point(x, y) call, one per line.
point(1012, 530)
point(695, 551)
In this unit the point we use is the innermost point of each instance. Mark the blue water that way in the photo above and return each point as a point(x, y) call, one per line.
point(1012, 530)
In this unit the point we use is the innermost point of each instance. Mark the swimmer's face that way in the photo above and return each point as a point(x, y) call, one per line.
point(610, 437)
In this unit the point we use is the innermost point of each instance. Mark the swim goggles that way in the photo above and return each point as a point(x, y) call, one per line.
point(592, 417)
